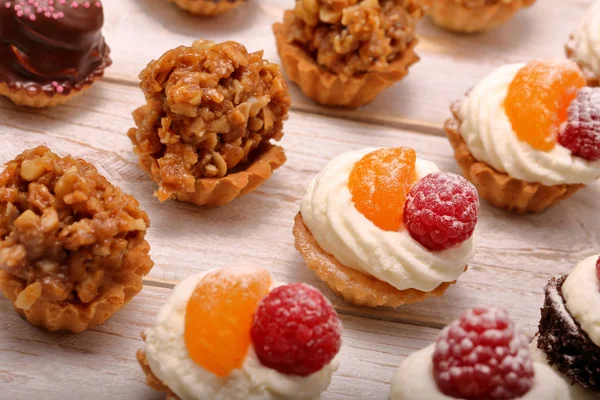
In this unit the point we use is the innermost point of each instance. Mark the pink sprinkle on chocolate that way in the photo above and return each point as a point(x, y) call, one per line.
point(63, 1)
point(7, 5)
point(32, 17)
point(30, 2)
point(47, 14)
point(74, 5)
point(54, 84)
point(98, 4)
point(86, 4)
point(60, 89)
point(20, 13)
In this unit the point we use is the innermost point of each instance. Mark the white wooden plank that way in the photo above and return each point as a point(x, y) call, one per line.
point(516, 254)
point(140, 31)
point(100, 363)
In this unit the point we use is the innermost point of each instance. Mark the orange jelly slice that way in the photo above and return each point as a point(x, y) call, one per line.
point(538, 99)
point(379, 184)
point(219, 315)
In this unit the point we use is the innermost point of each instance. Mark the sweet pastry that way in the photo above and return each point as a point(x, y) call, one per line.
point(207, 8)
point(382, 227)
point(72, 248)
point(569, 330)
point(480, 356)
point(583, 46)
point(50, 50)
point(233, 334)
point(344, 53)
point(204, 135)
point(471, 16)
point(528, 135)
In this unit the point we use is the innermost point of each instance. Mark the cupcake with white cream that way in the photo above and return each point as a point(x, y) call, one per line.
point(583, 46)
point(222, 335)
point(384, 228)
point(528, 135)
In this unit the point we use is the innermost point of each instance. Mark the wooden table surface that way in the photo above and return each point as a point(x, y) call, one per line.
point(516, 255)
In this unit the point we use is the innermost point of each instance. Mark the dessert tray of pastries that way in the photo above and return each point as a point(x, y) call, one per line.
point(300, 199)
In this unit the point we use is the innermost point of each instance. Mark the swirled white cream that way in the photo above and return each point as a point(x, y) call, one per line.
point(169, 360)
point(581, 291)
point(490, 138)
point(586, 39)
point(414, 381)
point(394, 257)
point(577, 391)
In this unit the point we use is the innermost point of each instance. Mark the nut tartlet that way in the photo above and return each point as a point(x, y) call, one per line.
point(344, 53)
point(212, 110)
point(472, 16)
point(207, 8)
point(72, 247)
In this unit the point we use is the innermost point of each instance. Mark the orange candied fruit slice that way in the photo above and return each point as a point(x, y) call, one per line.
point(219, 315)
point(538, 99)
point(379, 184)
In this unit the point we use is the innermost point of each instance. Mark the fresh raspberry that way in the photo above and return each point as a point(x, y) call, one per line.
point(481, 356)
point(581, 133)
point(296, 330)
point(441, 210)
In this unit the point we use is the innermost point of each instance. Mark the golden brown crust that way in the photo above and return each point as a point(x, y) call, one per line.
point(72, 247)
point(471, 16)
point(40, 100)
point(207, 8)
point(354, 286)
point(592, 77)
point(332, 89)
point(500, 189)
point(151, 379)
point(211, 113)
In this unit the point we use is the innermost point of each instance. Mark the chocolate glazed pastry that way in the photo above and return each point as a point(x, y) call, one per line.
point(567, 347)
point(50, 50)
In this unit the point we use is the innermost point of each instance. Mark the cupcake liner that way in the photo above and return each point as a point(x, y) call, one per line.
point(77, 317)
point(40, 100)
point(331, 89)
point(354, 286)
point(498, 188)
point(592, 77)
point(206, 8)
point(456, 17)
point(151, 379)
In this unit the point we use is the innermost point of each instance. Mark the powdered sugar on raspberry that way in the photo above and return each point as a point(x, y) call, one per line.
point(581, 133)
point(441, 210)
point(481, 356)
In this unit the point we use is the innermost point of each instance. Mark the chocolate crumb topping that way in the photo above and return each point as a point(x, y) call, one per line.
point(51, 46)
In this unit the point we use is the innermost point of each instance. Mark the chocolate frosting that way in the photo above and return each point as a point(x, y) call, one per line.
point(51, 45)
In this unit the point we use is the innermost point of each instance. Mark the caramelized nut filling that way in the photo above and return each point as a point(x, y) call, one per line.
point(210, 108)
point(351, 36)
point(64, 229)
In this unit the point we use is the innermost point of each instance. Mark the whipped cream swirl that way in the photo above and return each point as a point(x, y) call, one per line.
point(169, 360)
point(394, 257)
point(489, 136)
point(586, 39)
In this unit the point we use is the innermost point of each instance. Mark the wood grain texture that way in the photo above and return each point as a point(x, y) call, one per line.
point(100, 363)
point(516, 255)
point(139, 31)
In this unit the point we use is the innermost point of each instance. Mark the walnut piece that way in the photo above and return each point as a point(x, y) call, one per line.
point(352, 37)
point(65, 231)
point(209, 109)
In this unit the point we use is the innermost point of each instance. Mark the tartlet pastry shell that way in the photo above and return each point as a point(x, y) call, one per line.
point(331, 89)
point(40, 100)
point(456, 17)
point(206, 8)
point(592, 77)
point(354, 286)
point(151, 379)
point(58, 316)
point(498, 188)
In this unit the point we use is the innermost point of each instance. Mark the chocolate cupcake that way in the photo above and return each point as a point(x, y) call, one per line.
point(50, 50)
point(569, 330)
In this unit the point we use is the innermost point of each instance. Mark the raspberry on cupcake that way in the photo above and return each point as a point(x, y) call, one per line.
point(384, 228)
point(235, 334)
point(569, 331)
point(50, 51)
point(480, 356)
point(528, 135)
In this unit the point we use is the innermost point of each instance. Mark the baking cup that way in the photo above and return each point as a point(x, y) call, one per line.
point(498, 188)
point(591, 76)
point(77, 317)
point(354, 286)
point(331, 89)
point(454, 16)
point(206, 8)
